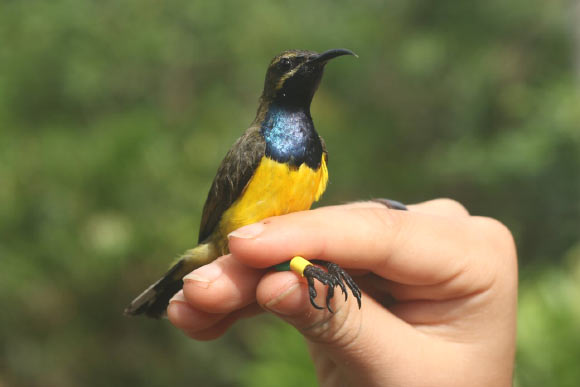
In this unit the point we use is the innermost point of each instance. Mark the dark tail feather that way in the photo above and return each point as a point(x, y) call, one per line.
point(154, 300)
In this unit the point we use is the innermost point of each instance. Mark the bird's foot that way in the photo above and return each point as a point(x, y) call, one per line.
point(333, 276)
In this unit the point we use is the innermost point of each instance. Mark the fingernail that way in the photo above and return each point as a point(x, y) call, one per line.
point(248, 232)
point(178, 297)
point(390, 203)
point(204, 275)
point(274, 303)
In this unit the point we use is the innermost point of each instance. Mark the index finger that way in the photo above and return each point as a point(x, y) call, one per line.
point(404, 246)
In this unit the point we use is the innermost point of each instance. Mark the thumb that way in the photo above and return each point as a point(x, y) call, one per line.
point(349, 337)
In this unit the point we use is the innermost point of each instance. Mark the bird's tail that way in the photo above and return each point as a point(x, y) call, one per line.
point(154, 300)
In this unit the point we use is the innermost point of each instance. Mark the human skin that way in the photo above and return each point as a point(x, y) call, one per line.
point(439, 293)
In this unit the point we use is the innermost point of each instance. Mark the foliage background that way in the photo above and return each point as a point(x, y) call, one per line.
point(115, 114)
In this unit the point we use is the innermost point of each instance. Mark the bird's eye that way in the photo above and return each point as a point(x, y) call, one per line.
point(284, 64)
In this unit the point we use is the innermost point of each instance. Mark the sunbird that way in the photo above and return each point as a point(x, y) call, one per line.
point(278, 166)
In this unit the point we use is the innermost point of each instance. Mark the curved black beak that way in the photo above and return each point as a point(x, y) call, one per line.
point(330, 54)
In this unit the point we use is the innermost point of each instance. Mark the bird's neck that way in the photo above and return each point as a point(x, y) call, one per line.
point(290, 135)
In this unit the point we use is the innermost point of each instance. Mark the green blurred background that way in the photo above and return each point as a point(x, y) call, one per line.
point(114, 116)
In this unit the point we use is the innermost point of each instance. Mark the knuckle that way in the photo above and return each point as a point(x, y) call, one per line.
point(500, 242)
point(452, 205)
point(494, 230)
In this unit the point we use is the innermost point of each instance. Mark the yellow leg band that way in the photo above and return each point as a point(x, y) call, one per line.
point(298, 264)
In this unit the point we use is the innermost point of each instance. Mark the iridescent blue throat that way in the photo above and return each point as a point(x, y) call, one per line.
point(290, 137)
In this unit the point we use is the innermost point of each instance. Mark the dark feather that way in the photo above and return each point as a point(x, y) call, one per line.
point(154, 300)
point(324, 152)
point(232, 176)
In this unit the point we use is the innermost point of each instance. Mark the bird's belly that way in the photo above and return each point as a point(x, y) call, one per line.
point(274, 189)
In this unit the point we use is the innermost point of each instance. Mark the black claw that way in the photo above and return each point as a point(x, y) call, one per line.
point(337, 272)
point(352, 285)
point(329, 296)
point(333, 277)
point(312, 291)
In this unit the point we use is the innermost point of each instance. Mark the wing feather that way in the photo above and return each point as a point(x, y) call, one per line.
point(234, 173)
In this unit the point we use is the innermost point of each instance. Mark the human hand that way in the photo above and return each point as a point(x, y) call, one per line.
point(439, 302)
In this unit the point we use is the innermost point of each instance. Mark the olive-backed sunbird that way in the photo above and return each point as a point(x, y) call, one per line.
point(278, 166)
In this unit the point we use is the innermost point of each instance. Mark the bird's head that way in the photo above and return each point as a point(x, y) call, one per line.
point(293, 76)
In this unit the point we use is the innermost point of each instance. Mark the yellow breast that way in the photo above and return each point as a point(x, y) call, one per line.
point(274, 189)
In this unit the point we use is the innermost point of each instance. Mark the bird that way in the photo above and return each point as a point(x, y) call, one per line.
point(278, 166)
